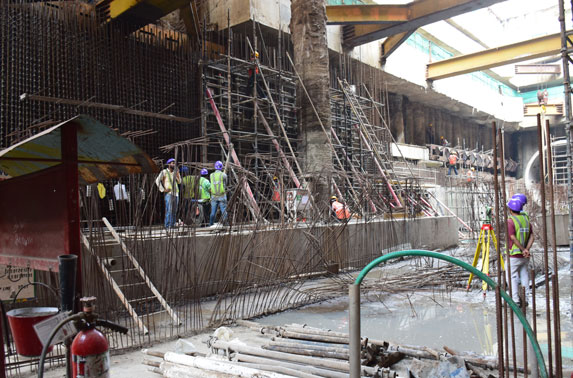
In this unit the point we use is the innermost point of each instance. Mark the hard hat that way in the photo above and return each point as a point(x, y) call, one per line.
point(204, 172)
point(256, 54)
point(441, 137)
point(333, 198)
point(521, 198)
point(184, 169)
point(473, 169)
point(218, 165)
point(515, 205)
point(170, 161)
point(275, 178)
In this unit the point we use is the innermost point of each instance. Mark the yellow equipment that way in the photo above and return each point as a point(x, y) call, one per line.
point(486, 236)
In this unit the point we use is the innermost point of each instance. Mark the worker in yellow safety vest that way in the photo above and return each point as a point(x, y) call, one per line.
point(521, 238)
point(218, 193)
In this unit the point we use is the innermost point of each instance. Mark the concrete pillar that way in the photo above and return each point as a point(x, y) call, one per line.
point(397, 117)
point(419, 125)
point(439, 125)
point(408, 121)
point(310, 50)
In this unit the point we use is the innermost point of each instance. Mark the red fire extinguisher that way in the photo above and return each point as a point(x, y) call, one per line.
point(89, 350)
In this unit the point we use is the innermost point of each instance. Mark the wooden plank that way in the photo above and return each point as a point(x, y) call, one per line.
point(142, 273)
point(116, 287)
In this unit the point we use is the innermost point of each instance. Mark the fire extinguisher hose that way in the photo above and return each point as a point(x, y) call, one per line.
point(52, 335)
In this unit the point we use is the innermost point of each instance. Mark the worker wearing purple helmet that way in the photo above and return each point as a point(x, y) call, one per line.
point(523, 199)
point(521, 238)
point(195, 189)
point(218, 181)
point(167, 182)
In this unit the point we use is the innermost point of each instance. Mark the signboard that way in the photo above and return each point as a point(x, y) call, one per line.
point(12, 279)
point(537, 69)
point(549, 110)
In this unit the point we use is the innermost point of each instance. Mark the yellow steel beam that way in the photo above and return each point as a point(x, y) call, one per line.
point(392, 43)
point(142, 12)
point(517, 52)
point(420, 13)
point(366, 14)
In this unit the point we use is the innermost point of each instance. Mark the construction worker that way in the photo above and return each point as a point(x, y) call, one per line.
point(195, 193)
point(444, 141)
point(276, 197)
point(218, 181)
point(521, 238)
point(167, 181)
point(253, 72)
point(339, 209)
point(452, 162)
point(471, 174)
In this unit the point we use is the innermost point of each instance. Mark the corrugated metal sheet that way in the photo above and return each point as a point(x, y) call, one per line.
point(102, 153)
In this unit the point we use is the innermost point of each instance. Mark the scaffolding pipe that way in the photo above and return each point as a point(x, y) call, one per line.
point(555, 287)
point(254, 207)
point(498, 311)
point(544, 235)
point(569, 133)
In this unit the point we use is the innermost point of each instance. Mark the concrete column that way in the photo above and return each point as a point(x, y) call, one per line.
point(419, 124)
point(457, 131)
point(408, 121)
point(310, 50)
point(397, 117)
point(439, 125)
point(449, 130)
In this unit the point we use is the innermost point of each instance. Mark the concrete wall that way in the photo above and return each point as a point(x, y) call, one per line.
point(522, 144)
point(411, 119)
point(210, 263)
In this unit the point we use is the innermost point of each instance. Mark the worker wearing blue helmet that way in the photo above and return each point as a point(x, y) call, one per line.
point(520, 234)
point(218, 181)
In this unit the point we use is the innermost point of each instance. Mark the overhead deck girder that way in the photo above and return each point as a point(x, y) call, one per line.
point(140, 12)
point(499, 56)
point(366, 14)
point(419, 13)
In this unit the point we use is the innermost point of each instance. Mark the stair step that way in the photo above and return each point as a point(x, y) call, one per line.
point(142, 299)
point(132, 284)
point(154, 313)
point(122, 270)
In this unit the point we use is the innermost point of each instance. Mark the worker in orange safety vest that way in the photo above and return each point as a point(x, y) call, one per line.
point(339, 209)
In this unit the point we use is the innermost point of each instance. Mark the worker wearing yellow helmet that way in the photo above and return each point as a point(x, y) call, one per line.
point(339, 209)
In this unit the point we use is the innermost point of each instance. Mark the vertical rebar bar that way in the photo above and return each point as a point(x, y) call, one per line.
point(504, 222)
point(544, 236)
point(498, 313)
point(569, 133)
point(555, 287)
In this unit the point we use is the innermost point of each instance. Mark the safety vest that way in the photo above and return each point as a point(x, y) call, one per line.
point(204, 188)
point(168, 182)
point(340, 210)
point(521, 223)
point(189, 190)
point(217, 185)
point(453, 159)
